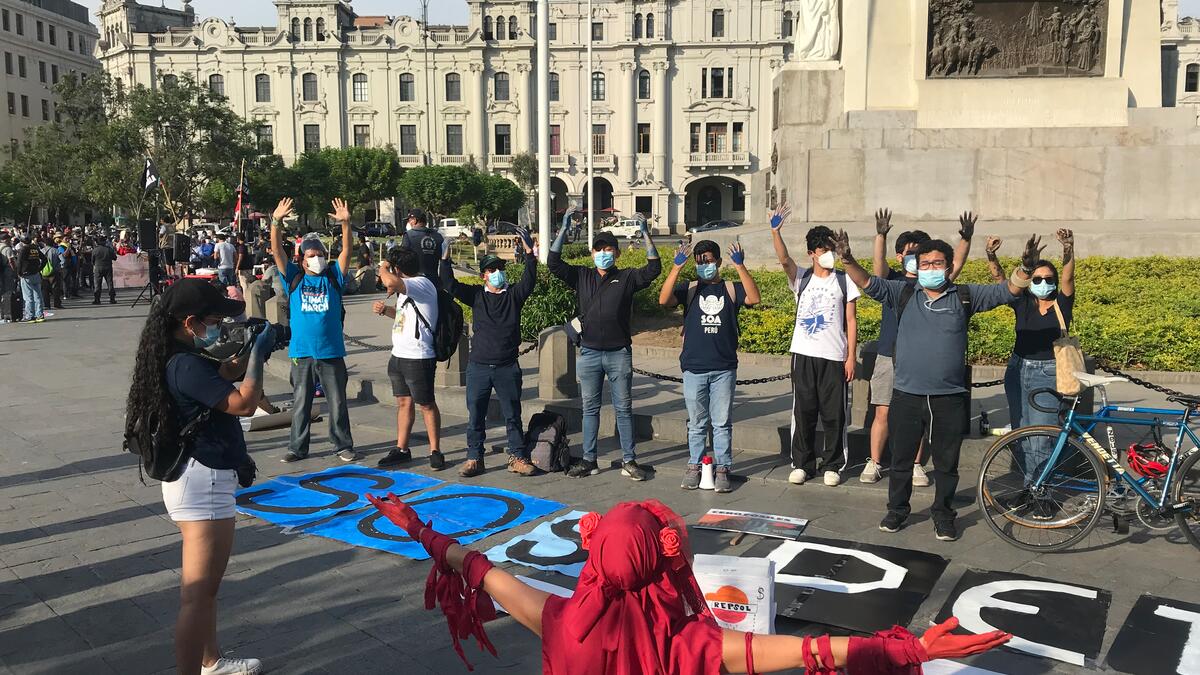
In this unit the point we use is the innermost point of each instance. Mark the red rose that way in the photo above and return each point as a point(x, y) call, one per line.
point(668, 538)
point(587, 525)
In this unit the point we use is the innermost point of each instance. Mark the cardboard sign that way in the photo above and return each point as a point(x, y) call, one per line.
point(131, 271)
point(739, 591)
point(1049, 619)
point(1159, 636)
point(763, 524)
point(553, 546)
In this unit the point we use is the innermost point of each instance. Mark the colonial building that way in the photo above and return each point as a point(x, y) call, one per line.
point(1181, 57)
point(681, 91)
point(42, 41)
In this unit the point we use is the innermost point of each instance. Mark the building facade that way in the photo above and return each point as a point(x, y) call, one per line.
point(42, 41)
point(680, 91)
point(1181, 57)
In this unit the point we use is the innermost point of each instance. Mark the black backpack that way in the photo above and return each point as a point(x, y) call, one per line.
point(546, 440)
point(449, 328)
point(160, 442)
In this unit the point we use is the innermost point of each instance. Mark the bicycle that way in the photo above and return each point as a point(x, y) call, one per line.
point(1044, 488)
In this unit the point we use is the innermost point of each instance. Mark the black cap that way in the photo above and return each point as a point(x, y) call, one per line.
point(196, 297)
point(492, 262)
point(417, 215)
point(602, 239)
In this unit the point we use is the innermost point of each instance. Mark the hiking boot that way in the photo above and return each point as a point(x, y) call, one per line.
point(871, 473)
point(395, 457)
point(892, 522)
point(349, 455)
point(437, 461)
point(522, 467)
point(583, 468)
point(631, 469)
point(920, 478)
point(472, 468)
point(228, 666)
point(721, 480)
point(291, 457)
point(691, 477)
point(797, 476)
point(945, 530)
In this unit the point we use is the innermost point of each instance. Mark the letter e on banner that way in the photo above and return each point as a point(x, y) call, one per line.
point(1159, 636)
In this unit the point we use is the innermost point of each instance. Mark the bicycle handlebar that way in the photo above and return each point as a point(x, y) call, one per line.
point(1044, 390)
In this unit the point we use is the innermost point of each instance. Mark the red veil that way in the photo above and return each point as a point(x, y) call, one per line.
point(637, 608)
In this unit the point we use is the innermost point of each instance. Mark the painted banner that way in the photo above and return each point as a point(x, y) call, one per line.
point(1159, 636)
point(1048, 619)
point(299, 501)
point(739, 591)
point(763, 524)
point(553, 546)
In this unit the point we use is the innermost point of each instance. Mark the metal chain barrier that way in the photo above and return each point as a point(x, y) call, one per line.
point(366, 345)
point(989, 383)
point(532, 346)
point(1166, 391)
point(672, 378)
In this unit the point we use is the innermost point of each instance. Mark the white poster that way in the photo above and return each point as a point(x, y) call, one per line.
point(131, 271)
point(739, 591)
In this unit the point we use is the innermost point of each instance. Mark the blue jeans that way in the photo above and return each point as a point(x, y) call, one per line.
point(709, 398)
point(227, 276)
point(1021, 377)
point(31, 293)
point(593, 366)
point(506, 380)
point(304, 382)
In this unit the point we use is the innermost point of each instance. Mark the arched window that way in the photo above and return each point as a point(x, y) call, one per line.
point(216, 84)
point(597, 86)
point(644, 84)
point(487, 28)
point(308, 30)
point(170, 81)
point(308, 86)
point(553, 86)
point(718, 23)
point(786, 29)
point(637, 26)
point(408, 87)
point(501, 86)
point(358, 85)
point(512, 28)
point(501, 28)
point(453, 87)
point(295, 29)
point(649, 25)
point(262, 88)
point(1191, 82)
point(320, 30)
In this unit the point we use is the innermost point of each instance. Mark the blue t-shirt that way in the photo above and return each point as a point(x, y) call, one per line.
point(710, 327)
point(888, 323)
point(315, 311)
point(196, 384)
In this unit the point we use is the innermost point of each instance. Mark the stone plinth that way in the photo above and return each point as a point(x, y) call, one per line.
point(556, 365)
point(453, 373)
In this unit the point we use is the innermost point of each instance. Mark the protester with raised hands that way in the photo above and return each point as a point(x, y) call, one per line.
point(638, 609)
point(708, 359)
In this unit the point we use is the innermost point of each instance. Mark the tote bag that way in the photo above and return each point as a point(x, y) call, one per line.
point(1068, 359)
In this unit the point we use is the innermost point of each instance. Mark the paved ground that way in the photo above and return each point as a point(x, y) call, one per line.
point(89, 561)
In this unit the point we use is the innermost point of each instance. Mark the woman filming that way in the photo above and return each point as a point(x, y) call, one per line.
point(171, 361)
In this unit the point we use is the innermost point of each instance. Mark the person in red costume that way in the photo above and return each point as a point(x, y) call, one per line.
point(638, 609)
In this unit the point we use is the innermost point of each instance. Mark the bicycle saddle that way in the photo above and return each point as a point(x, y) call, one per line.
point(1090, 380)
point(1188, 400)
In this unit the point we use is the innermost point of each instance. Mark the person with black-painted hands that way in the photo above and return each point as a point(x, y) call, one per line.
point(708, 359)
point(173, 376)
point(495, 340)
point(605, 296)
point(930, 394)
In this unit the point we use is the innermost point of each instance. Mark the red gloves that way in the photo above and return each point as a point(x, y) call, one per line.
point(399, 513)
point(899, 652)
point(940, 644)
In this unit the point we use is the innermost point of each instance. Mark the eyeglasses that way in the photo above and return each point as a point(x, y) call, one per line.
point(931, 265)
point(1042, 280)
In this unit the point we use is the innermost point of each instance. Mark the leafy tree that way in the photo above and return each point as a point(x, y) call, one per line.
point(494, 196)
point(270, 180)
point(362, 175)
point(524, 169)
point(310, 180)
point(439, 189)
point(13, 201)
point(49, 172)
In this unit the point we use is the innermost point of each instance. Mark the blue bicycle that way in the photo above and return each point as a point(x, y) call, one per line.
point(1044, 488)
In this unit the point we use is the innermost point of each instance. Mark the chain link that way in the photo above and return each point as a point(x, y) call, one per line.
point(1166, 391)
point(366, 345)
point(672, 378)
point(989, 383)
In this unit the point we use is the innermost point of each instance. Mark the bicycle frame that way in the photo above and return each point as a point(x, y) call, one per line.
point(1082, 425)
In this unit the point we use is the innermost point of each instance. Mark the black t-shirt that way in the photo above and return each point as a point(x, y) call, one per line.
point(196, 384)
point(1036, 332)
point(247, 262)
point(710, 327)
point(889, 324)
point(428, 244)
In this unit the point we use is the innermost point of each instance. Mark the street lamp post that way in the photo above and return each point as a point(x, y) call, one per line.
point(587, 132)
point(543, 126)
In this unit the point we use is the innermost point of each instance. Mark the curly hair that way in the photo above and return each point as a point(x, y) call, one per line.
point(148, 395)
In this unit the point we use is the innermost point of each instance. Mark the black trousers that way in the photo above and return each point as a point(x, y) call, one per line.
point(818, 392)
point(104, 277)
point(938, 421)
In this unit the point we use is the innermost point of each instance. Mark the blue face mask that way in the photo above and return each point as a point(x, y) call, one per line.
point(603, 259)
point(707, 271)
point(497, 278)
point(1042, 290)
point(211, 335)
point(910, 264)
point(931, 279)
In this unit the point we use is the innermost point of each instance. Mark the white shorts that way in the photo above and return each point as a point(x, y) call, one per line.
point(201, 493)
point(882, 380)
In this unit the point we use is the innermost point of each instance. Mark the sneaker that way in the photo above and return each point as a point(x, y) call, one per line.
point(721, 480)
point(290, 457)
point(40, 319)
point(395, 457)
point(631, 469)
point(471, 468)
point(437, 461)
point(691, 477)
point(112, 301)
point(228, 666)
point(892, 522)
point(920, 478)
point(871, 473)
point(583, 468)
point(797, 476)
point(833, 478)
point(349, 455)
point(96, 301)
point(945, 530)
point(522, 466)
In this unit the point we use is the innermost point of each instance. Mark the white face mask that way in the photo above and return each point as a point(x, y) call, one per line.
point(826, 260)
point(316, 264)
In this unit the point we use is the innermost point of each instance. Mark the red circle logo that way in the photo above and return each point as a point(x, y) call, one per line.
point(729, 604)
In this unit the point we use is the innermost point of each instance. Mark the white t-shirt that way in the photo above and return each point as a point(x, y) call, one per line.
point(819, 315)
point(411, 338)
point(227, 254)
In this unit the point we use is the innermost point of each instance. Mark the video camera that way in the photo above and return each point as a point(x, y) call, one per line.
point(237, 337)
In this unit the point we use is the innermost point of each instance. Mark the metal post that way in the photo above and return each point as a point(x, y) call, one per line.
point(587, 135)
point(428, 74)
point(543, 127)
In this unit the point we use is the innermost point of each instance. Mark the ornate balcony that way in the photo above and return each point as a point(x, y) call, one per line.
point(730, 160)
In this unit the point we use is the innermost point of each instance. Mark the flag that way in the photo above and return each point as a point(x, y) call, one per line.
point(237, 213)
point(243, 193)
point(150, 178)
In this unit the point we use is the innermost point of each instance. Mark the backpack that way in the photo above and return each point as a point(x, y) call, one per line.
point(546, 440)
point(449, 328)
point(48, 269)
point(161, 443)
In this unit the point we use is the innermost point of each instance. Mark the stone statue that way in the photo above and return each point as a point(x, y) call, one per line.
point(819, 30)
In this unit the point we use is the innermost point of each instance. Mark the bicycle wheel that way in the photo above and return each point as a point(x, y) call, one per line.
point(1186, 488)
point(1047, 517)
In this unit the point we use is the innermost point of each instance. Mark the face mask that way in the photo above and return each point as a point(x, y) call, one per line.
point(1043, 289)
point(497, 278)
point(316, 264)
point(931, 279)
point(910, 264)
point(211, 335)
point(707, 271)
point(603, 259)
point(826, 260)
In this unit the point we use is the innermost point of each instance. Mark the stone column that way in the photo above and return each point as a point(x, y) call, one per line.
point(479, 115)
point(335, 115)
point(659, 133)
point(556, 365)
point(627, 136)
point(527, 112)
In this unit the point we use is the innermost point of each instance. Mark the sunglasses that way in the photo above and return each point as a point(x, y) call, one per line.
point(1042, 280)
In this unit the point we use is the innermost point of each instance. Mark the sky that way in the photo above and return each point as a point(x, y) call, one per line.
point(1189, 8)
point(262, 12)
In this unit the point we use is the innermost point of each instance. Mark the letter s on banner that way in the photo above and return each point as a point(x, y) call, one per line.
point(893, 574)
point(970, 603)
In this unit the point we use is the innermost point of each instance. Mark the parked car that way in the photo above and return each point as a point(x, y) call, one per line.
point(377, 229)
point(712, 225)
point(451, 228)
point(627, 228)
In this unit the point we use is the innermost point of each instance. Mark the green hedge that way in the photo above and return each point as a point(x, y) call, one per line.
point(1132, 312)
